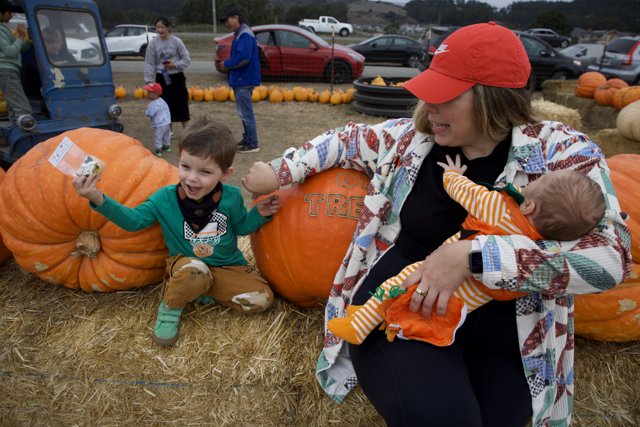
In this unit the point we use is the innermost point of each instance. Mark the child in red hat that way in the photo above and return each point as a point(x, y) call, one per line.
point(158, 112)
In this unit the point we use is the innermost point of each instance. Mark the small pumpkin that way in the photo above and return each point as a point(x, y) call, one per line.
point(614, 315)
point(626, 96)
point(288, 95)
point(138, 93)
point(263, 91)
point(208, 94)
point(324, 97)
point(628, 121)
point(221, 93)
point(276, 97)
point(197, 93)
point(300, 94)
point(336, 98)
point(53, 232)
point(120, 92)
point(588, 82)
point(255, 95)
point(315, 224)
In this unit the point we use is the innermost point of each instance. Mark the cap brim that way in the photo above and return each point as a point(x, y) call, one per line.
point(436, 88)
point(221, 20)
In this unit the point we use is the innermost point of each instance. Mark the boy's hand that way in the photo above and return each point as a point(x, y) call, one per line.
point(456, 166)
point(85, 186)
point(269, 205)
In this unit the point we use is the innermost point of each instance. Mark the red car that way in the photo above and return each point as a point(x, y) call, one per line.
point(289, 51)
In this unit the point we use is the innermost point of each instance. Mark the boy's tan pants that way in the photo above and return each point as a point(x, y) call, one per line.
point(231, 286)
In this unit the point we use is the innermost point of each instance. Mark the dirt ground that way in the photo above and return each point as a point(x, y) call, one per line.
point(279, 125)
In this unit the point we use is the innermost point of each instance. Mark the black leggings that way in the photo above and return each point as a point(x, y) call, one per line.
point(477, 381)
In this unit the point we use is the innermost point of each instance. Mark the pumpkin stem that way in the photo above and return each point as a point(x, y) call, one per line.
point(87, 244)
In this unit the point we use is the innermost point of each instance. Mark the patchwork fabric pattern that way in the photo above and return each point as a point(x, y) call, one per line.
point(391, 153)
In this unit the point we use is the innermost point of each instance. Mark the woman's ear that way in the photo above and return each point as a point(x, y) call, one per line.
point(227, 174)
point(528, 207)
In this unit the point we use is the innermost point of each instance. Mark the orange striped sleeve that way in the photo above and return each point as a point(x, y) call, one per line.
point(487, 206)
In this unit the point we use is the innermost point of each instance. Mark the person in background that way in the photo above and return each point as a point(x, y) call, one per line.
point(200, 218)
point(512, 361)
point(158, 113)
point(54, 44)
point(11, 47)
point(165, 61)
point(243, 68)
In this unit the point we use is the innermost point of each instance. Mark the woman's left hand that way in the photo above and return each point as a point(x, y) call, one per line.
point(438, 277)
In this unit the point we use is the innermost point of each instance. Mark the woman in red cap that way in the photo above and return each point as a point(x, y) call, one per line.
point(512, 361)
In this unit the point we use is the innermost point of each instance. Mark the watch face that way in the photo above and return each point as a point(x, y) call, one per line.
point(475, 262)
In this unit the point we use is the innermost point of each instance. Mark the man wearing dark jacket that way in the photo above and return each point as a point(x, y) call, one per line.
point(243, 68)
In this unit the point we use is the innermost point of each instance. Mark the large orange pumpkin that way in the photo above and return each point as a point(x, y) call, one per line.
point(626, 96)
point(614, 315)
point(299, 251)
point(5, 253)
point(54, 233)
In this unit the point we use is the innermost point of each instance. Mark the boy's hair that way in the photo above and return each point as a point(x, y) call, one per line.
point(209, 139)
point(569, 206)
point(51, 34)
point(496, 111)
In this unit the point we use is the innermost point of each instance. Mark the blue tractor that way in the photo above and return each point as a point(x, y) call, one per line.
point(69, 86)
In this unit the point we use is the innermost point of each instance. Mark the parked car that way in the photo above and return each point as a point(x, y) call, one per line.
point(326, 24)
point(129, 40)
point(621, 60)
point(550, 36)
point(289, 51)
point(431, 40)
point(586, 53)
point(395, 49)
point(547, 63)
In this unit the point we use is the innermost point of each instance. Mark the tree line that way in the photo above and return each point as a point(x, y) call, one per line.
point(622, 15)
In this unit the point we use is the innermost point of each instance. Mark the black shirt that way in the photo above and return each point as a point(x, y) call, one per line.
point(429, 216)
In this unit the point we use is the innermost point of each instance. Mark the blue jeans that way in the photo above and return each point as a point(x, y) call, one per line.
point(244, 105)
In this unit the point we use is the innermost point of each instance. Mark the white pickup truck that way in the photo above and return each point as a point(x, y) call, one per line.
point(326, 24)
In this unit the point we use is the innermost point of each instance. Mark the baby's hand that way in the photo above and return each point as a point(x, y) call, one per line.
point(456, 166)
point(269, 205)
point(85, 186)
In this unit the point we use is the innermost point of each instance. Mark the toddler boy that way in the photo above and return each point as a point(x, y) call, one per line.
point(158, 112)
point(200, 218)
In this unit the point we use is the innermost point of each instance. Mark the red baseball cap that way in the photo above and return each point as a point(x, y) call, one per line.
point(486, 54)
point(154, 87)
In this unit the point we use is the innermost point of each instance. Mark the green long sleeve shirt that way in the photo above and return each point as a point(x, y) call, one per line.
point(220, 236)
point(11, 49)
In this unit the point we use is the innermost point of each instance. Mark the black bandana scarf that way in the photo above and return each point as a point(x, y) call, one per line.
point(198, 214)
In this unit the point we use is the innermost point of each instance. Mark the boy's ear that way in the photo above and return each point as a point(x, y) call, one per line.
point(227, 174)
point(528, 207)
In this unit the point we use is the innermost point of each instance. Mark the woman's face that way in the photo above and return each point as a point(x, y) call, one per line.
point(453, 122)
point(162, 30)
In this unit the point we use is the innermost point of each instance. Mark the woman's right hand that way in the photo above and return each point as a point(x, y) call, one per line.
point(85, 186)
point(261, 179)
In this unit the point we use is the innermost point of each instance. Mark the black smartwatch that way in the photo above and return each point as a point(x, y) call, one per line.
point(475, 260)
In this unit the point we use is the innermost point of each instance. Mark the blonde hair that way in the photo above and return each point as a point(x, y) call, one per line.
point(570, 206)
point(209, 139)
point(496, 111)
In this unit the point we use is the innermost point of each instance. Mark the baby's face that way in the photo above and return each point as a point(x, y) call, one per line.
point(53, 45)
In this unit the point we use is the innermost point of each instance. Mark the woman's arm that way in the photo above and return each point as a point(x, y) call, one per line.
point(596, 262)
point(354, 146)
point(184, 59)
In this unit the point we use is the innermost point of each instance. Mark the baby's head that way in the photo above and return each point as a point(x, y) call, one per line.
point(209, 139)
point(154, 90)
point(563, 204)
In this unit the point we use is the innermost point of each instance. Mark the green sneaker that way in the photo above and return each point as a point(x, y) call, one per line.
point(165, 332)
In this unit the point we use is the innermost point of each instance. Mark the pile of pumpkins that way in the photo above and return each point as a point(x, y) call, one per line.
point(617, 94)
point(275, 94)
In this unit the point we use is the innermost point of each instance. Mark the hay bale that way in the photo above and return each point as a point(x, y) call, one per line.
point(75, 358)
point(547, 110)
point(611, 142)
point(551, 88)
